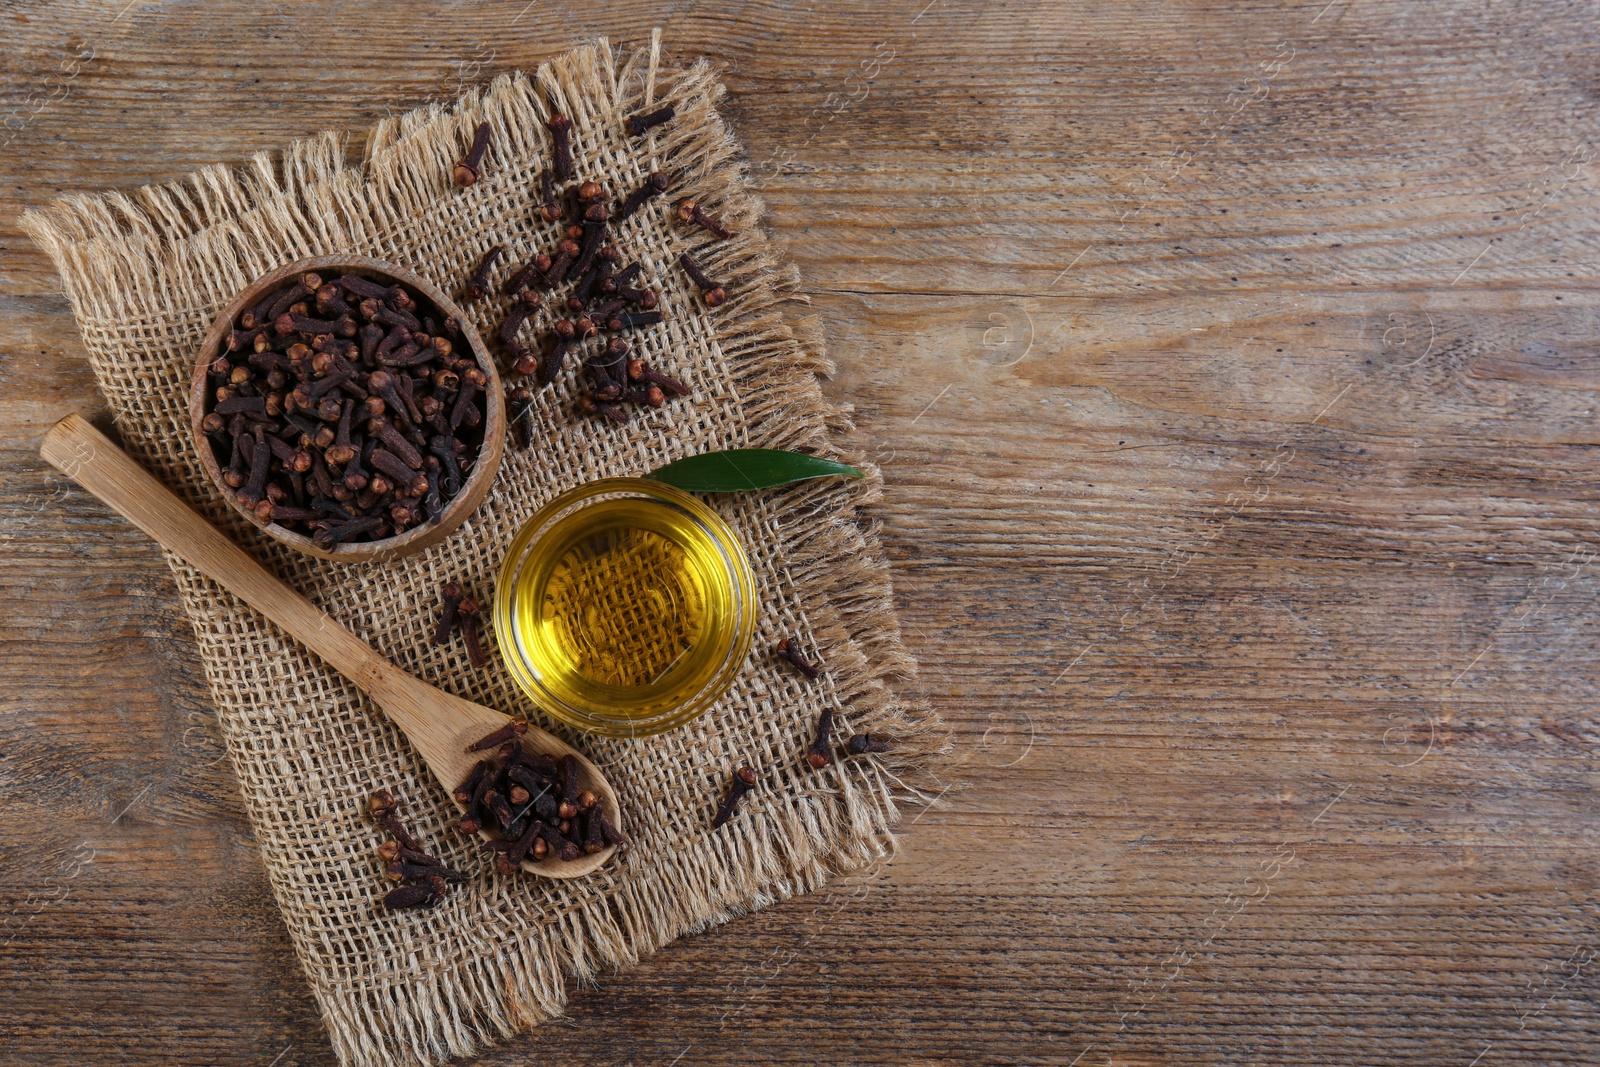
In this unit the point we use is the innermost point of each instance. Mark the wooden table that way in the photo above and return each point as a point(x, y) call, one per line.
point(1232, 369)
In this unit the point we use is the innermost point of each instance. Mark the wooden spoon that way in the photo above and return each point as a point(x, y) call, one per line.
point(437, 724)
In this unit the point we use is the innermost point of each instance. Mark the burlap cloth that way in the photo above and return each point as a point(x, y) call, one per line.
point(146, 273)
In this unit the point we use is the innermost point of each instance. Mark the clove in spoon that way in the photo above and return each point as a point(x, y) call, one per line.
point(438, 725)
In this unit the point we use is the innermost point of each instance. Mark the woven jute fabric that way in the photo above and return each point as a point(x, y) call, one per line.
point(148, 271)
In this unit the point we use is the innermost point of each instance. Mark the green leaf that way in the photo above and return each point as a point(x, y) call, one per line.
point(747, 468)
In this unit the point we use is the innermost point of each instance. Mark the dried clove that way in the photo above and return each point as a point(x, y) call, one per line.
point(370, 361)
point(513, 793)
point(640, 371)
point(788, 650)
point(560, 135)
point(637, 124)
point(467, 612)
point(862, 743)
point(605, 309)
point(287, 298)
point(390, 851)
point(382, 805)
point(333, 534)
point(589, 282)
point(547, 196)
point(605, 268)
point(590, 405)
point(401, 870)
point(744, 780)
point(644, 298)
point(478, 287)
point(592, 842)
point(534, 271)
point(553, 361)
point(443, 446)
point(710, 291)
point(255, 486)
point(820, 754)
point(653, 186)
point(610, 366)
point(466, 792)
point(689, 211)
point(520, 848)
point(410, 896)
point(510, 731)
point(569, 786)
point(464, 412)
point(467, 167)
point(448, 616)
point(406, 861)
point(567, 251)
point(499, 807)
point(609, 833)
point(519, 415)
point(559, 844)
point(594, 235)
point(627, 320)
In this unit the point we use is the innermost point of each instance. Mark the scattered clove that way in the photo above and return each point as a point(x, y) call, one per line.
point(590, 405)
point(448, 615)
point(406, 861)
point(478, 287)
point(519, 415)
point(535, 271)
point(547, 196)
point(460, 612)
point(561, 138)
point(820, 754)
point(637, 124)
point(601, 298)
point(410, 896)
point(594, 234)
point(653, 186)
point(510, 731)
point(863, 743)
point(551, 366)
point(644, 298)
point(467, 167)
point(627, 320)
point(467, 612)
point(689, 211)
point(640, 371)
point(382, 806)
point(710, 291)
point(788, 650)
point(744, 780)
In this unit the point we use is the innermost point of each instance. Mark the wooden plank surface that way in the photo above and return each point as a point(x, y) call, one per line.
point(1232, 367)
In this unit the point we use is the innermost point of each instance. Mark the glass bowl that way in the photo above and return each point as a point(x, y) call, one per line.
point(625, 607)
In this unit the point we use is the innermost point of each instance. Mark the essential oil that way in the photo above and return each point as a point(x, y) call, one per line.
point(624, 609)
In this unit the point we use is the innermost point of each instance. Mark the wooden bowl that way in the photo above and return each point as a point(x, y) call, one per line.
point(494, 417)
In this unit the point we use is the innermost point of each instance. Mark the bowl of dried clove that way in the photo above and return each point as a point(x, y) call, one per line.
point(348, 408)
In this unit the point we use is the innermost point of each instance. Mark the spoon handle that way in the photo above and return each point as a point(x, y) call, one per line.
point(94, 461)
point(439, 725)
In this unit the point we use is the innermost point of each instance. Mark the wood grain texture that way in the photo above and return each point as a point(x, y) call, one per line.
point(1232, 367)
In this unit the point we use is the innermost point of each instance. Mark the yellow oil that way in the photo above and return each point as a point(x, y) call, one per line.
point(624, 609)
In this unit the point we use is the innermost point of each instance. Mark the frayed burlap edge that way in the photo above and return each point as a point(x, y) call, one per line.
point(165, 251)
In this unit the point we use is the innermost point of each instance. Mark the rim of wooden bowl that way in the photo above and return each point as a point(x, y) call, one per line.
point(484, 467)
